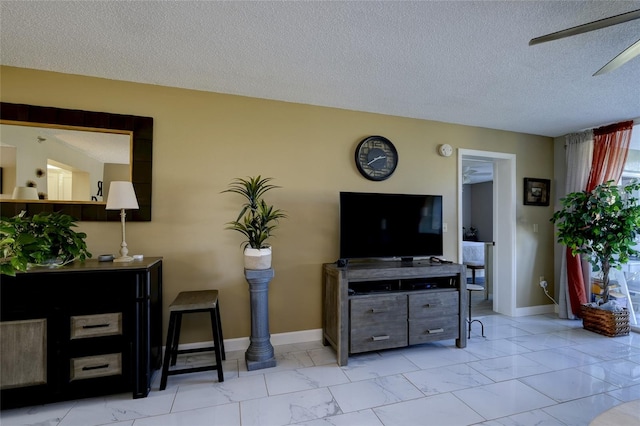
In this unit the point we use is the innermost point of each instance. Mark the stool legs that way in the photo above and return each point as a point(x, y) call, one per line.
point(470, 321)
point(216, 342)
point(219, 328)
point(173, 339)
point(168, 351)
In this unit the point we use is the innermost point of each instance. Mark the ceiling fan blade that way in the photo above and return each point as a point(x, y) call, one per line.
point(625, 56)
point(591, 26)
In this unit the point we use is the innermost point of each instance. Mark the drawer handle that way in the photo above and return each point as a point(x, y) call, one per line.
point(95, 367)
point(378, 311)
point(435, 330)
point(427, 305)
point(378, 338)
point(96, 325)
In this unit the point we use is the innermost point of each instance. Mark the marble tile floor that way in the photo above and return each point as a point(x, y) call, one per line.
point(536, 370)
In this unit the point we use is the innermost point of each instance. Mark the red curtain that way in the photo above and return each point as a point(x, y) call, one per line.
point(610, 150)
point(575, 282)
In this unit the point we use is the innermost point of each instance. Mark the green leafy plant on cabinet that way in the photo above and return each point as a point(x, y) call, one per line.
point(45, 239)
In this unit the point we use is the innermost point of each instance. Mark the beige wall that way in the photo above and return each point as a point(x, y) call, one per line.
point(203, 140)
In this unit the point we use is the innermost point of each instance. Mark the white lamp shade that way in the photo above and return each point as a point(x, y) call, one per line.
point(121, 196)
point(24, 193)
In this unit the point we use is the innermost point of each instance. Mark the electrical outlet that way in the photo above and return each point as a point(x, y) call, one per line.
point(542, 282)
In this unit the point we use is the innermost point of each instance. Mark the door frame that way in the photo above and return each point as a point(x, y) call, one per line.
point(504, 224)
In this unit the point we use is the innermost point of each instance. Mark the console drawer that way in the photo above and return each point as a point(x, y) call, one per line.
point(85, 326)
point(378, 323)
point(431, 304)
point(90, 367)
point(425, 330)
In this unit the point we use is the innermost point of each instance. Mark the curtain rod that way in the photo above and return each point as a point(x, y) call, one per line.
point(636, 121)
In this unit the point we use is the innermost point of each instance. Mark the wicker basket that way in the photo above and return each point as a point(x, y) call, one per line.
point(608, 323)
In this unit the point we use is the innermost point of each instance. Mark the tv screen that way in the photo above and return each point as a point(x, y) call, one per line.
point(390, 225)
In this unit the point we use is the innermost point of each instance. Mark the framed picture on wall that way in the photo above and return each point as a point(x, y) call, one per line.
point(537, 192)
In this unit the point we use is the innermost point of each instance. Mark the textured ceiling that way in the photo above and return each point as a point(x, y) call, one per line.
point(451, 61)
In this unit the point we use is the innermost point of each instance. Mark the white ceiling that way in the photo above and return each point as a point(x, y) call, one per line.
point(451, 61)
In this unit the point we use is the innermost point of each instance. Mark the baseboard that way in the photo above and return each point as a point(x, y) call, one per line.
point(535, 310)
point(242, 343)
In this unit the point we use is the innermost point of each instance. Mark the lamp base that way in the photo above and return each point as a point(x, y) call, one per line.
point(123, 259)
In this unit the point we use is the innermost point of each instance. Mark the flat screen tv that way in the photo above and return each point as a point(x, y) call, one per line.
point(390, 225)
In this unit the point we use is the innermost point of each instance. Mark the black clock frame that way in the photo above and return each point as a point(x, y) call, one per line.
point(373, 173)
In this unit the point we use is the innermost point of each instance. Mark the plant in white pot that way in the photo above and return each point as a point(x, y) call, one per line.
point(256, 220)
point(601, 224)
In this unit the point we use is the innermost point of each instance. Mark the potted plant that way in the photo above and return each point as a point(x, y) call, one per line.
point(46, 239)
point(256, 220)
point(601, 224)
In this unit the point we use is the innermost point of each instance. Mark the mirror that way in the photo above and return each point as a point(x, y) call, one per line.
point(116, 147)
point(62, 164)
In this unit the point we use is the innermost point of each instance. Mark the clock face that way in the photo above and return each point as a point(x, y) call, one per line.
point(376, 158)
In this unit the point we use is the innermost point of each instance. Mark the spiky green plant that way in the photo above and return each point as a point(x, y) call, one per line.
point(257, 219)
point(602, 224)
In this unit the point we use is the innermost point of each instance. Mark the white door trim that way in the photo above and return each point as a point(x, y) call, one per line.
point(504, 225)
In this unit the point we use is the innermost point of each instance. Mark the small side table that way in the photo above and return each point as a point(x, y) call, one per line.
point(474, 266)
point(471, 288)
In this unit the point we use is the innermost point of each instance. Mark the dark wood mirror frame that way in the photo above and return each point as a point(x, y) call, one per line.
point(141, 162)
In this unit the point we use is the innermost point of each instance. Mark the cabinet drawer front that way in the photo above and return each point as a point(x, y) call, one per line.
point(90, 367)
point(84, 326)
point(432, 329)
point(377, 310)
point(378, 323)
point(433, 304)
point(390, 335)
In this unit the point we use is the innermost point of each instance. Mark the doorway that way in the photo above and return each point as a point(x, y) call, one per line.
point(504, 223)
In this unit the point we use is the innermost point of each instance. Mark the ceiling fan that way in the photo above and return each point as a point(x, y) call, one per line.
point(624, 57)
point(471, 174)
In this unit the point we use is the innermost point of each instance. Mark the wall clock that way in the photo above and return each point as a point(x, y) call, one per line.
point(376, 158)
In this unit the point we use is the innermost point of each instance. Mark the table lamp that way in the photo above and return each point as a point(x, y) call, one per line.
point(121, 196)
point(25, 193)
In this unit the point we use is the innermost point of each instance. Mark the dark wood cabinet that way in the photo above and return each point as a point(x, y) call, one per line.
point(90, 328)
point(372, 306)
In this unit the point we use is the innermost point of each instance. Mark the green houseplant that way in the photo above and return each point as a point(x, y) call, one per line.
point(602, 224)
point(45, 239)
point(256, 220)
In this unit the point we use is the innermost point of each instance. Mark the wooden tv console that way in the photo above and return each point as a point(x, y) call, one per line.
point(372, 306)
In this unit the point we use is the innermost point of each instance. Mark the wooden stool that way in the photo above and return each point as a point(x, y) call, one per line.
point(470, 288)
point(189, 302)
